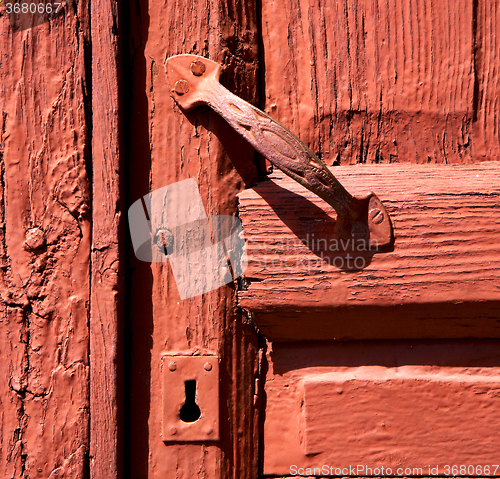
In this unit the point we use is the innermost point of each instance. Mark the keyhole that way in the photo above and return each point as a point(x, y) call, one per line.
point(190, 412)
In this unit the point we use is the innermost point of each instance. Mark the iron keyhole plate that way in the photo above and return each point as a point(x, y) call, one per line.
point(190, 398)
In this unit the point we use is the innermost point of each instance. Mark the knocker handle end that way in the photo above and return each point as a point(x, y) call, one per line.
point(186, 76)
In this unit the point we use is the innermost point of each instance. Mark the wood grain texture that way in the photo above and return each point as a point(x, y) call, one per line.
point(106, 426)
point(166, 146)
point(380, 404)
point(374, 81)
point(487, 68)
point(44, 247)
point(442, 276)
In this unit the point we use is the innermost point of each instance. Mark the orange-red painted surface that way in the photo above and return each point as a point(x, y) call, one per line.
point(440, 279)
point(359, 81)
point(366, 81)
point(166, 146)
point(45, 240)
point(406, 404)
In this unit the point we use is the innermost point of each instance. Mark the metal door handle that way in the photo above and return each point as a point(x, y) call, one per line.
point(194, 81)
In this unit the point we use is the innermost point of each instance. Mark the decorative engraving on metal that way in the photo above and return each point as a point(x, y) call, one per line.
point(194, 81)
point(190, 398)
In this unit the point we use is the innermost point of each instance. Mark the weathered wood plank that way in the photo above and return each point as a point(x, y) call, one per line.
point(375, 81)
point(442, 277)
point(44, 247)
point(167, 146)
point(487, 68)
point(106, 413)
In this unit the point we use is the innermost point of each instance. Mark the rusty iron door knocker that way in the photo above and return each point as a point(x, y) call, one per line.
point(194, 81)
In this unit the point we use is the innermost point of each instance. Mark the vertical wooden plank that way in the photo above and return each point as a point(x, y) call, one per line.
point(487, 66)
point(44, 246)
point(107, 240)
point(372, 80)
point(167, 146)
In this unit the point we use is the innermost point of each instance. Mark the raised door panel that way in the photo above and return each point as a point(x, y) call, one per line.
point(372, 81)
point(382, 408)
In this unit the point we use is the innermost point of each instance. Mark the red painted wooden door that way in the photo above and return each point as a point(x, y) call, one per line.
point(88, 127)
point(359, 82)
